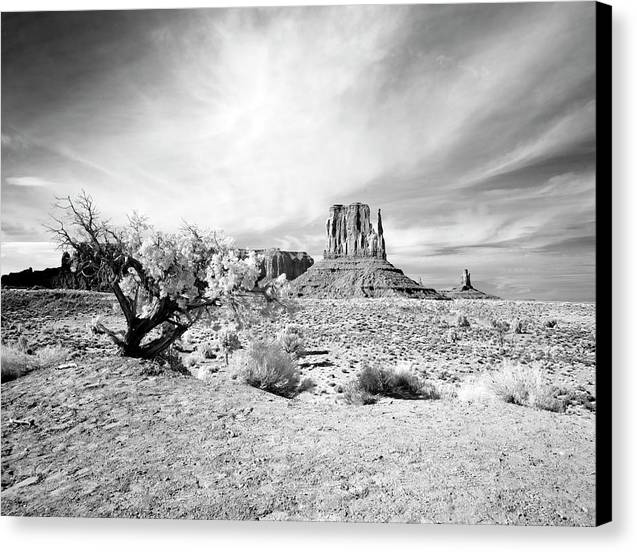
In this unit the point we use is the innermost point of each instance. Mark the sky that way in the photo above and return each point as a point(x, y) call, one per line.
point(471, 126)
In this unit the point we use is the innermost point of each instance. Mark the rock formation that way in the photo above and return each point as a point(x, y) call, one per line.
point(350, 233)
point(277, 262)
point(465, 280)
point(465, 290)
point(62, 277)
point(355, 261)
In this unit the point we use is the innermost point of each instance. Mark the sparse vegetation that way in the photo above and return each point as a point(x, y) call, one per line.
point(194, 359)
point(400, 383)
point(520, 326)
point(207, 349)
point(228, 342)
point(16, 362)
point(291, 339)
point(23, 344)
point(254, 437)
point(307, 384)
point(463, 321)
point(268, 366)
point(353, 394)
point(551, 323)
point(501, 327)
point(525, 386)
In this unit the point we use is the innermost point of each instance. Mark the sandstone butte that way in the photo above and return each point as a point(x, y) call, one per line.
point(355, 261)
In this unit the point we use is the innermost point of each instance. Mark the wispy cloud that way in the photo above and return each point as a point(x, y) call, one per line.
point(28, 181)
point(471, 126)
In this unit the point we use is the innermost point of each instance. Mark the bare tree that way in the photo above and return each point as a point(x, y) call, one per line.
point(103, 252)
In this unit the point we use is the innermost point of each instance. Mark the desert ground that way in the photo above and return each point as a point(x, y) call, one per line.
point(100, 435)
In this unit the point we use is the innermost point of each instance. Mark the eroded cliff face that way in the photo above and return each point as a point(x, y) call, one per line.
point(290, 263)
point(350, 233)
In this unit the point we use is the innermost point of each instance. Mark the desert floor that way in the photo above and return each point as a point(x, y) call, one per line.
point(107, 436)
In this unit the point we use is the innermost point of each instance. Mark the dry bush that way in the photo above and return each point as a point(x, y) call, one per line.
point(307, 384)
point(400, 383)
point(194, 359)
point(520, 326)
point(353, 394)
point(17, 363)
point(266, 365)
point(22, 344)
point(291, 339)
point(501, 327)
point(452, 336)
point(207, 349)
point(228, 341)
point(552, 323)
point(51, 356)
point(524, 386)
point(476, 389)
point(462, 321)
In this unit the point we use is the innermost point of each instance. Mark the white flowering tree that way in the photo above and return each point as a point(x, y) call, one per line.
point(163, 282)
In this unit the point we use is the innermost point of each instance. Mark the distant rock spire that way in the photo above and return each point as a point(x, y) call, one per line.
point(381, 240)
point(465, 281)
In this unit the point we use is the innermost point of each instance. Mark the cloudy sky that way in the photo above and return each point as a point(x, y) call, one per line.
point(470, 126)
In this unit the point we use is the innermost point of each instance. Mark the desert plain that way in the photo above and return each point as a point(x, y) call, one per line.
point(100, 435)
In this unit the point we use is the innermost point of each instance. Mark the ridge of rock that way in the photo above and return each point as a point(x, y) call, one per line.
point(275, 262)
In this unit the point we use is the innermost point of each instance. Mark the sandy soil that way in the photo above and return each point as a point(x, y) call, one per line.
point(107, 436)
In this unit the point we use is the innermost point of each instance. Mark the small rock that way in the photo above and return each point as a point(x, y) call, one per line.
point(24, 483)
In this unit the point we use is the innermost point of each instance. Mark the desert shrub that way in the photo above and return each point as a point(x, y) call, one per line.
point(267, 366)
point(51, 356)
point(501, 327)
point(228, 342)
point(476, 389)
point(17, 363)
point(291, 339)
point(520, 326)
point(551, 323)
point(307, 384)
point(207, 349)
point(525, 386)
point(452, 336)
point(373, 379)
point(187, 337)
point(353, 394)
point(193, 360)
point(401, 383)
point(463, 321)
point(22, 344)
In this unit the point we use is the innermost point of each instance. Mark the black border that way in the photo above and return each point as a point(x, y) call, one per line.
point(603, 264)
